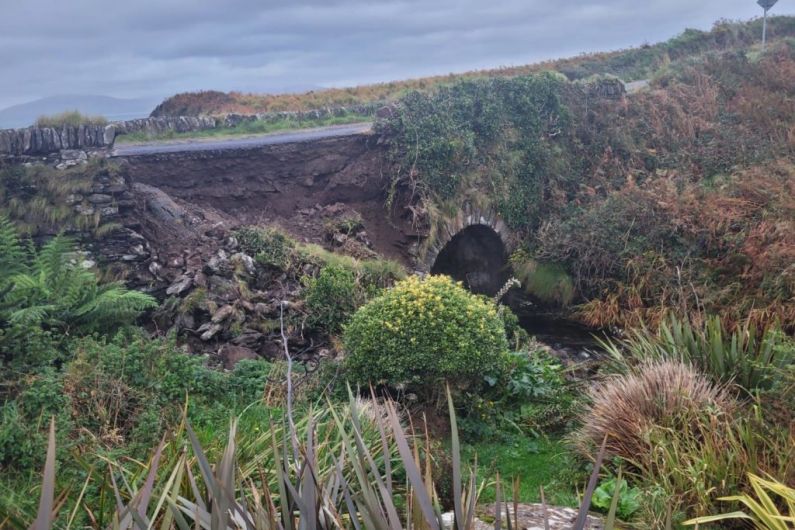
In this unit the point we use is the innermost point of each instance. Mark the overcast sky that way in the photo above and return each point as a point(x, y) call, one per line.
point(153, 48)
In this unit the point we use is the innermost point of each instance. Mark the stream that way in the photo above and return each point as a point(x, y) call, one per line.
point(567, 338)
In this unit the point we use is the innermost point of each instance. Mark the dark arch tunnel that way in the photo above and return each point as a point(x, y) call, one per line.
point(477, 257)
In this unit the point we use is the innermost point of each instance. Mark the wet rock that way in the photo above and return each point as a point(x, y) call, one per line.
point(200, 279)
point(155, 268)
point(223, 289)
point(263, 309)
point(72, 199)
point(176, 262)
point(73, 154)
point(185, 321)
point(160, 204)
point(84, 209)
point(232, 243)
point(67, 164)
point(249, 338)
point(109, 211)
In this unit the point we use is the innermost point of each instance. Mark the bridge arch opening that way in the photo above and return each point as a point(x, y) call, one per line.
point(477, 257)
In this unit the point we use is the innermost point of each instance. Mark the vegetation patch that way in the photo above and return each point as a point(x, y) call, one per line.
point(71, 118)
point(422, 332)
point(661, 207)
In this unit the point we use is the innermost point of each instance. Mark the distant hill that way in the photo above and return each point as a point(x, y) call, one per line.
point(630, 65)
point(25, 114)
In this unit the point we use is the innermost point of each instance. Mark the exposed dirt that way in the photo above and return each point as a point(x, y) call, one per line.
point(292, 185)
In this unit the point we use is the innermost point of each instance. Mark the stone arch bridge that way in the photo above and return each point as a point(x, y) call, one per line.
point(302, 182)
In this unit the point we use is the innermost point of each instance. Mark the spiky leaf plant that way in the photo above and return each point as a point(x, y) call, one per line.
point(745, 356)
point(772, 506)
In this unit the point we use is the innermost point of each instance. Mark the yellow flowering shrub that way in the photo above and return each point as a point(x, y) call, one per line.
point(423, 331)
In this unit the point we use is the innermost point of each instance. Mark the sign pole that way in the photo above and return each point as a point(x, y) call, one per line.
point(766, 5)
point(764, 30)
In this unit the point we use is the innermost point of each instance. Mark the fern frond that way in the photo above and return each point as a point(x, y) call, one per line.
point(112, 307)
point(12, 254)
point(32, 315)
point(51, 258)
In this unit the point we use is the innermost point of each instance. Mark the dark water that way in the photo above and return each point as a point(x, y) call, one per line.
point(560, 334)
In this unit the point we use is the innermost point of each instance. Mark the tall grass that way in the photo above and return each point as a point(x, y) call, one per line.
point(748, 357)
point(72, 118)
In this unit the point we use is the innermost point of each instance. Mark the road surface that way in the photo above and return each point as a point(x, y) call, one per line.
point(243, 142)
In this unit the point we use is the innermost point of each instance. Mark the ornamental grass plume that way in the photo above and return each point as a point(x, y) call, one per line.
point(656, 395)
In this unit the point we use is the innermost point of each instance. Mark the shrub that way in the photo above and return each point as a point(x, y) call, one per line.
point(765, 512)
point(422, 331)
point(249, 377)
point(665, 394)
point(685, 436)
point(530, 394)
point(332, 297)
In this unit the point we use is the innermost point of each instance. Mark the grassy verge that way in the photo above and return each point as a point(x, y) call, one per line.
point(243, 129)
point(543, 462)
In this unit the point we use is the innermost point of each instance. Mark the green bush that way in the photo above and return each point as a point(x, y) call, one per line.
point(19, 445)
point(421, 332)
point(529, 395)
point(248, 379)
point(332, 297)
point(752, 359)
point(269, 246)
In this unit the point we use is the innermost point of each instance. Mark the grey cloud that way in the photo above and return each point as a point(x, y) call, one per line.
point(144, 48)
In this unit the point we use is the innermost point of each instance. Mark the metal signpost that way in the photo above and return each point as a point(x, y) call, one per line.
point(766, 5)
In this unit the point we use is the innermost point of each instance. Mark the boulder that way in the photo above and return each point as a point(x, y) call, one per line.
point(208, 330)
point(218, 265)
point(180, 286)
point(231, 354)
point(244, 262)
point(160, 204)
point(99, 198)
point(223, 314)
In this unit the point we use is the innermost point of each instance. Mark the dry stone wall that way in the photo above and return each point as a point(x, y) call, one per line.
point(34, 141)
point(43, 141)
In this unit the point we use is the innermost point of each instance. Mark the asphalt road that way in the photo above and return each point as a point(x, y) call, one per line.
point(243, 142)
